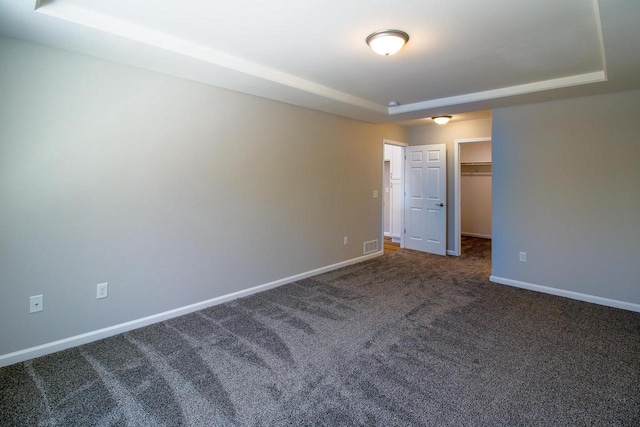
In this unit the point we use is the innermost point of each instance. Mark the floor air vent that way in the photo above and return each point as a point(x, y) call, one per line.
point(370, 246)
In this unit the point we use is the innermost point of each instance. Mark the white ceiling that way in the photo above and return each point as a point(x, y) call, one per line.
point(463, 55)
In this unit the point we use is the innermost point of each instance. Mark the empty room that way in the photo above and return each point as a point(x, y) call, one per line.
point(319, 213)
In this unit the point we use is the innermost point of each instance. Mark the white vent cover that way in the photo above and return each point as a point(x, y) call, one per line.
point(370, 246)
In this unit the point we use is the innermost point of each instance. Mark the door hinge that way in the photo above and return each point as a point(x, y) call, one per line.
point(405, 231)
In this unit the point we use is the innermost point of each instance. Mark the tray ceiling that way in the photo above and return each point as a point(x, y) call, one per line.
point(462, 54)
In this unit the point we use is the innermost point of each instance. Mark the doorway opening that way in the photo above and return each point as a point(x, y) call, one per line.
point(416, 207)
point(393, 194)
point(472, 189)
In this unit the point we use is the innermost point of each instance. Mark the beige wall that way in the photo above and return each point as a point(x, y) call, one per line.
point(474, 152)
point(475, 205)
point(172, 191)
point(447, 134)
point(566, 190)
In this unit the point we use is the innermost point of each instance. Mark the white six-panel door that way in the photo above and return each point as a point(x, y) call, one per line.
point(426, 198)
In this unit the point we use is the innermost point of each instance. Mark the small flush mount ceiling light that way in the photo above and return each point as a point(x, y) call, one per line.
point(441, 120)
point(387, 42)
point(393, 103)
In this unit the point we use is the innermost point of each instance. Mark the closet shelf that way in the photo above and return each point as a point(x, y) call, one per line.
point(475, 173)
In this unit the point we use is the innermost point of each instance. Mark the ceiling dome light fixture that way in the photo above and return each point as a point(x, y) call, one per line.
point(441, 120)
point(387, 42)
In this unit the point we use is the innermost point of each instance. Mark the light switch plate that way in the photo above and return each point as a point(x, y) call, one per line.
point(35, 303)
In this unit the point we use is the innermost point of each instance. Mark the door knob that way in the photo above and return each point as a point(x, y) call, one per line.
point(440, 204)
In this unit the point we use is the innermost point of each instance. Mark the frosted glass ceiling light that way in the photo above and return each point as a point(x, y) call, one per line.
point(387, 42)
point(441, 120)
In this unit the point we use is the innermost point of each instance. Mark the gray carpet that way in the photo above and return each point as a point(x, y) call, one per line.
point(405, 339)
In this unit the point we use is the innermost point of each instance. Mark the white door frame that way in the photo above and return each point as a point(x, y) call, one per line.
point(457, 231)
point(402, 145)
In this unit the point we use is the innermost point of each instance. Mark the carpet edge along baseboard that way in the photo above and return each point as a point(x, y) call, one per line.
point(91, 336)
point(567, 294)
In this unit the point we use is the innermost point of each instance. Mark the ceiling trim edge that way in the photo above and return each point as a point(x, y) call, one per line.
point(580, 79)
point(596, 13)
point(167, 42)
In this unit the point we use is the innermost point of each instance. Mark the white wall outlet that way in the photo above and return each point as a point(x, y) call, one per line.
point(35, 303)
point(102, 290)
point(375, 194)
point(523, 257)
point(345, 240)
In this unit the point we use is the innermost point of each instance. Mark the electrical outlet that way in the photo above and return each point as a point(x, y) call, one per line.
point(102, 290)
point(35, 303)
point(523, 257)
point(345, 240)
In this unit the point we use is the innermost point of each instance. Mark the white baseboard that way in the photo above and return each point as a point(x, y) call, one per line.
point(63, 344)
point(484, 236)
point(450, 252)
point(568, 294)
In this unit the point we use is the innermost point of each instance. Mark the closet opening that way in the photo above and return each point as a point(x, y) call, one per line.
point(473, 180)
